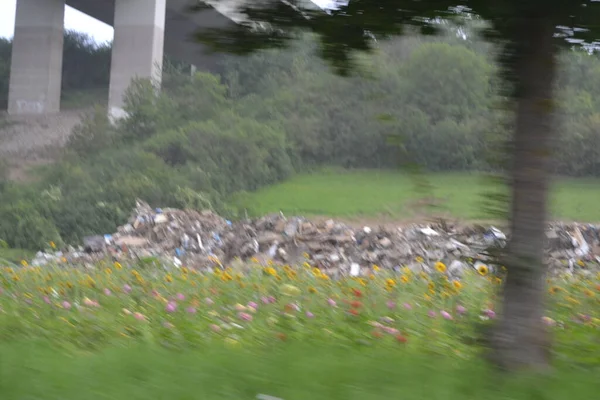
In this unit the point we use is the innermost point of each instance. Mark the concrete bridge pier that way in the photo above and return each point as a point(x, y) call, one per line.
point(36, 67)
point(137, 49)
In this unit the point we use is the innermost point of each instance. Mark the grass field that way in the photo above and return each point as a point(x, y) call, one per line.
point(289, 372)
point(394, 194)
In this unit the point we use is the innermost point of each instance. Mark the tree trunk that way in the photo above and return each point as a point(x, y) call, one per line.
point(520, 340)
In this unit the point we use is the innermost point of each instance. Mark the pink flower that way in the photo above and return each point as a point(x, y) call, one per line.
point(491, 314)
point(391, 305)
point(155, 293)
point(107, 291)
point(461, 310)
point(66, 305)
point(446, 315)
point(215, 328)
point(309, 314)
point(191, 310)
point(209, 301)
point(264, 299)
point(432, 314)
point(139, 316)
point(171, 307)
point(180, 296)
point(245, 316)
point(253, 305)
point(331, 302)
point(271, 299)
point(90, 303)
point(46, 299)
point(126, 288)
point(390, 330)
point(548, 321)
point(407, 306)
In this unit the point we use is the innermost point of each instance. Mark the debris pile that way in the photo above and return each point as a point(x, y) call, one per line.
point(203, 239)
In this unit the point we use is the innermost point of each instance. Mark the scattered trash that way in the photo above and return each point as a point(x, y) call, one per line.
point(202, 239)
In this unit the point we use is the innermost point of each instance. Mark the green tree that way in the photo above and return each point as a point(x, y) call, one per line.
point(528, 32)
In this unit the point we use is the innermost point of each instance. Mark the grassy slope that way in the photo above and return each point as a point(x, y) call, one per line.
point(286, 371)
point(374, 193)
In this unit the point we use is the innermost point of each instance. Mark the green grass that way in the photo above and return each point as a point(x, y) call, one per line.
point(80, 99)
point(390, 193)
point(14, 256)
point(290, 372)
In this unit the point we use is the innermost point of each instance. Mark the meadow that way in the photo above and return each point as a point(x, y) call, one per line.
point(123, 332)
point(396, 194)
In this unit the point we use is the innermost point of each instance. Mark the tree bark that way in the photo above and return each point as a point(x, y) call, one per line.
point(520, 339)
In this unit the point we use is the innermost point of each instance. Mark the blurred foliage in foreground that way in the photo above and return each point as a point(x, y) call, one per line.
point(278, 112)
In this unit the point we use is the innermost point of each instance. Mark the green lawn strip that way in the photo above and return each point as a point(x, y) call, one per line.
point(287, 371)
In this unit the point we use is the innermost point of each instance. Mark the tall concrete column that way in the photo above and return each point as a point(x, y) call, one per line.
point(137, 47)
point(37, 54)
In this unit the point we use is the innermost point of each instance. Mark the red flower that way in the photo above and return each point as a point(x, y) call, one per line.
point(377, 334)
point(354, 311)
point(401, 339)
point(357, 292)
point(282, 336)
point(356, 304)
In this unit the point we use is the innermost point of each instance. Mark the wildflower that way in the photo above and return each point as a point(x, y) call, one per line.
point(126, 311)
point(309, 314)
point(169, 278)
point(431, 314)
point(461, 309)
point(588, 293)
point(290, 290)
point(440, 267)
point(404, 279)
point(239, 307)
point(491, 314)
point(52, 244)
point(390, 330)
point(24, 263)
point(90, 303)
point(171, 307)
point(548, 321)
point(483, 270)
point(215, 328)
point(354, 311)
point(108, 271)
point(46, 299)
point(554, 289)
point(407, 306)
point(126, 288)
point(376, 268)
point(191, 310)
point(312, 290)
point(356, 304)
point(391, 304)
point(63, 259)
point(209, 301)
point(271, 271)
point(180, 296)
point(331, 302)
point(245, 316)
point(66, 305)
point(390, 282)
point(457, 284)
point(419, 259)
point(253, 305)
point(446, 315)
point(401, 339)
point(357, 292)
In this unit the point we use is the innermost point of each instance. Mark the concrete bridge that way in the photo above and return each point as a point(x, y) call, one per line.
point(143, 30)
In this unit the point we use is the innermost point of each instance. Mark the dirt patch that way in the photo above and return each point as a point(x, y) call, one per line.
point(30, 141)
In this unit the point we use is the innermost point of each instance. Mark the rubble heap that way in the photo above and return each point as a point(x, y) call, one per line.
point(199, 239)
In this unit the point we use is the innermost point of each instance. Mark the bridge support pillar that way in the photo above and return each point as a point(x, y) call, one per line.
point(137, 48)
point(37, 55)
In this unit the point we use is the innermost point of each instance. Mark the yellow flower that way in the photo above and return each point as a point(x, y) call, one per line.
point(254, 260)
point(588, 293)
point(580, 263)
point(52, 244)
point(483, 270)
point(440, 266)
point(225, 277)
point(63, 260)
point(376, 268)
point(457, 284)
point(271, 271)
point(431, 286)
point(169, 278)
point(312, 290)
point(290, 290)
point(24, 263)
point(404, 279)
point(316, 271)
point(118, 265)
point(419, 259)
point(390, 282)
point(406, 271)
point(497, 281)
point(108, 271)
